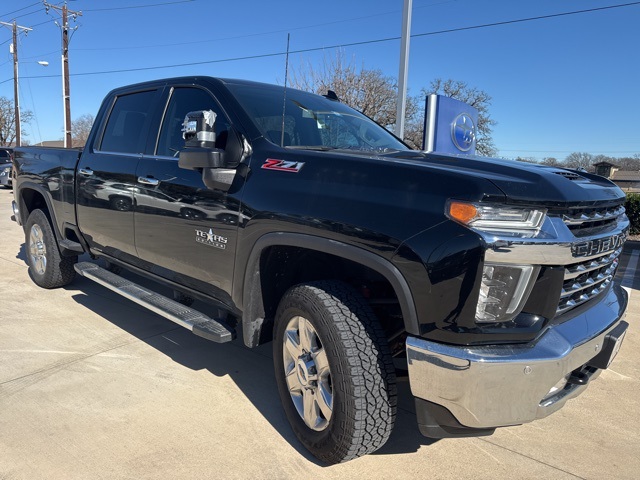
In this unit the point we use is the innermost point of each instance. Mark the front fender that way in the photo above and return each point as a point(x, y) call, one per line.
point(252, 301)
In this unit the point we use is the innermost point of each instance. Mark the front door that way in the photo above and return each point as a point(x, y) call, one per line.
point(183, 230)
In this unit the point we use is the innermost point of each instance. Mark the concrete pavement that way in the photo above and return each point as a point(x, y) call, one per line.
point(93, 386)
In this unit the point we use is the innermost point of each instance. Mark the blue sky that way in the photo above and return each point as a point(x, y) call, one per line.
point(559, 85)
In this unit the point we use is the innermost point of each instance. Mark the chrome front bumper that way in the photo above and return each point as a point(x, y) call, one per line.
point(501, 385)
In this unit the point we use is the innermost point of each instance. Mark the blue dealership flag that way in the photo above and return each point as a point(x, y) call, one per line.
point(450, 126)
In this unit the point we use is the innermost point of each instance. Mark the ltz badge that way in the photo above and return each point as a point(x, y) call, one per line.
point(211, 239)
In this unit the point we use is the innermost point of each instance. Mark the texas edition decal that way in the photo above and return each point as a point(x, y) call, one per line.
point(211, 239)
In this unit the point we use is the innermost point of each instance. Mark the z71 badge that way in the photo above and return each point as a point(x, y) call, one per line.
point(282, 165)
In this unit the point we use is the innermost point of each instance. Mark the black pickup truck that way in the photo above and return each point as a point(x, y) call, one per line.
point(490, 283)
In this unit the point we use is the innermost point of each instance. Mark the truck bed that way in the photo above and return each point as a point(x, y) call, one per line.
point(50, 171)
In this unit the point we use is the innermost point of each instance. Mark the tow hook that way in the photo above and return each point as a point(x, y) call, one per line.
point(579, 377)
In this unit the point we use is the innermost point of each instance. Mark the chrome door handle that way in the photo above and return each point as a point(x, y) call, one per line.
point(86, 171)
point(148, 181)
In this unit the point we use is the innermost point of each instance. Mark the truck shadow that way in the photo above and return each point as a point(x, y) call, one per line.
point(250, 369)
point(22, 254)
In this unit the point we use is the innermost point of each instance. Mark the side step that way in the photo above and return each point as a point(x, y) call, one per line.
point(197, 322)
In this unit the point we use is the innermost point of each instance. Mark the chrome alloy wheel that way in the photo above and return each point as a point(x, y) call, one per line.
point(37, 250)
point(307, 373)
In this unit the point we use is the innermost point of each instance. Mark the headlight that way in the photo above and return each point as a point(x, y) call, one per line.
point(495, 218)
point(6, 171)
point(504, 288)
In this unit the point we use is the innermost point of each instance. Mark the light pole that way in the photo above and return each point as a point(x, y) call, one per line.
point(404, 69)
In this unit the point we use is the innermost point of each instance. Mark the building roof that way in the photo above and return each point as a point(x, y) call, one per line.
point(607, 164)
point(50, 143)
point(626, 176)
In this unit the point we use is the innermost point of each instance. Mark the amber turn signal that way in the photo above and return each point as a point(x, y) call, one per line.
point(462, 212)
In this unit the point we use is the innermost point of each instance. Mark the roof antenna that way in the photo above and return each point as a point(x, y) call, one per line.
point(284, 101)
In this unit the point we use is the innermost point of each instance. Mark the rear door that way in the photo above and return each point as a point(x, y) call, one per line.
point(183, 230)
point(106, 180)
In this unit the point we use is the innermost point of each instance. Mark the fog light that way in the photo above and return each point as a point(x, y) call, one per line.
point(503, 291)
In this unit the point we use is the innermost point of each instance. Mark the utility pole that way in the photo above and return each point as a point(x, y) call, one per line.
point(66, 96)
point(404, 69)
point(16, 89)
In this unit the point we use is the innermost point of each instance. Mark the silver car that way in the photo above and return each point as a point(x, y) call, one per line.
point(6, 155)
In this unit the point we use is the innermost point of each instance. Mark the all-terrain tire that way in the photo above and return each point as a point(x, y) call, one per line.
point(47, 267)
point(349, 358)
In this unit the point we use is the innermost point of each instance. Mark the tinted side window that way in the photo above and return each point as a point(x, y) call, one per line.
point(183, 101)
point(124, 132)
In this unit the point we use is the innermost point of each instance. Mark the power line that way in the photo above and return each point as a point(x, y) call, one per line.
point(343, 45)
point(41, 23)
point(529, 19)
point(285, 30)
point(20, 9)
point(28, 13)
point(136, 6)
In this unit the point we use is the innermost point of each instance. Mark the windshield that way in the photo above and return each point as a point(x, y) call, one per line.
point(311, 121)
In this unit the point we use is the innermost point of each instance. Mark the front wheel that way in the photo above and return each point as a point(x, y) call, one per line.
point(47, 267)
point(334, 371)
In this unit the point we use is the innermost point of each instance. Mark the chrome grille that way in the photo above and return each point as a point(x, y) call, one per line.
point(584, 280)
point(590, 221)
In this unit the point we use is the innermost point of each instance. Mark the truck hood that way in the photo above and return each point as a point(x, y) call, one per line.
point(527, 183)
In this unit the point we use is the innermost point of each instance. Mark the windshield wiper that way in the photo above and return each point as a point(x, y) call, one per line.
point(405, 154)
point(322, 148)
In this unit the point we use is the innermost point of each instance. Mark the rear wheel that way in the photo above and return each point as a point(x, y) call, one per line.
point(334, 371)
point(47, 267)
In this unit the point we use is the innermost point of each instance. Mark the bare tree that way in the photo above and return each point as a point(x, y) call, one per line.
point(8, 121)
point(375, 94)
point(80, 129)
point(526, 159)
point(551, 161)
point(579, 160)
point(368, 91)
point(624, 163)
point(629, 163)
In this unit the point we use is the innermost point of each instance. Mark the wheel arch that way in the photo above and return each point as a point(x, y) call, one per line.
point(31, 196)
point(253, 300)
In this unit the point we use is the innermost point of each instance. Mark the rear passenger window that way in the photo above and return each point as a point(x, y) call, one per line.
point(184, 100)
point(125, 131)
